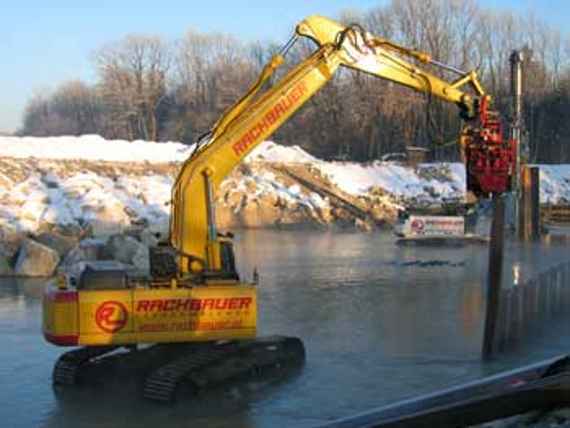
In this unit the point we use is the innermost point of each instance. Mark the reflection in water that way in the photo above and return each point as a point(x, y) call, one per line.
point(379, 322)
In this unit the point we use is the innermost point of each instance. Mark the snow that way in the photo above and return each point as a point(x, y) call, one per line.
point(92, 147)
point(96, 148)
point(403, 182)
point(86, 196)
point(554, 184)
point(270, 152)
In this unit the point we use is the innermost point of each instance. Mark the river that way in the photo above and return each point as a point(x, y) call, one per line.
point(379, 323)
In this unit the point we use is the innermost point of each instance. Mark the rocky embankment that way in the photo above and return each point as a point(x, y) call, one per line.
point(64, 200)
point(58, 213)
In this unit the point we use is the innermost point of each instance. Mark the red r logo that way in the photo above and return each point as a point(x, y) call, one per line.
point(111, 316)
point(417, 225)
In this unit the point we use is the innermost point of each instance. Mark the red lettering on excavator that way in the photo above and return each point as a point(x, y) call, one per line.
point(142, 305)
point(193, 305)
point(269, 118)
point(156, 305)
point(245, 302)
point(221, 303)
point(168, 305)
point(183, 304)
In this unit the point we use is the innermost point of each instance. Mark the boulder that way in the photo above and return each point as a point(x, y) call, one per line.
point(140, 260)
point(108, 220)
point(10, 240)
point(259, 214)
point(128, 250)
point(148, 238)
point(325, 213)
point(5, 268)
point(235, 200)
point(160, 227)
point(60, 243)
point(226, 218)
point(363, 225)
point(35, 259)
point(84, 251)
point(121, 248)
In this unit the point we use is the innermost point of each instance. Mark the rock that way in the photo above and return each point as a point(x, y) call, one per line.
point(160, 227)
point(148, 238)
point(259, 214)
point(128, 250)
point(70, 231)
point(225, 217)
point(5, 268)
point(235, 200)
point(325, 214)
point(108, 220)
point(140, 260)
point(363, 225)
point(251, 186)
point(35, 259)
point(10, 241)
point(121, 248)
point(60, 243)
point(86, 250)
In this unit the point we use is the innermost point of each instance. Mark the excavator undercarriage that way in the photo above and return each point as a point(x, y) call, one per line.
point(114, 318)
point(162, 371)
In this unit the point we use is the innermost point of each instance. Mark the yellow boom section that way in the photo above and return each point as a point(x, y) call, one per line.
point(383, 58)
point(252, 120)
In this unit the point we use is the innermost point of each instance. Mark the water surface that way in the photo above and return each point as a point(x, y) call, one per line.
point(379, 322)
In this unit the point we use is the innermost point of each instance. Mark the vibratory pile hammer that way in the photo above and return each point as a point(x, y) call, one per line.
point(195, 316)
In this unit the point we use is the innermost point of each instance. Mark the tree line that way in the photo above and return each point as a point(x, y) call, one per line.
point(157, 90)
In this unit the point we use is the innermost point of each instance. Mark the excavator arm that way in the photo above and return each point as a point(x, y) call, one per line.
point(193, 235)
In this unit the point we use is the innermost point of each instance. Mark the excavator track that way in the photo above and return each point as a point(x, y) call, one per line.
point(160, 370)
point(215, 363)
point(68, 366)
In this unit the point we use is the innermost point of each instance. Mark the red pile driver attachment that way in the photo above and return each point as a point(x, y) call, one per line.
point(489, 160)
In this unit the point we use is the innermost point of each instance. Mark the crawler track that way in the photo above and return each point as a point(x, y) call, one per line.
point(213, 364)
point(68, 366)
point(162, 369)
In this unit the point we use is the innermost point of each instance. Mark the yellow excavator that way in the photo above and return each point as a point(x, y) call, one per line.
point(194, 308)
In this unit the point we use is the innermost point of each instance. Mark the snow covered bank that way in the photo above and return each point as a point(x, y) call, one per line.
point(96, 148)
point(88, 187)
point(111, 185)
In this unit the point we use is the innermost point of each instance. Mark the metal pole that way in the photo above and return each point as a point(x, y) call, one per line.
point(494, 276)
point(529, 208)
point(516, 60)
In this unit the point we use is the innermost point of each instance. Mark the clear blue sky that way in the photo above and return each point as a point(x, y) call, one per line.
point(43, 43)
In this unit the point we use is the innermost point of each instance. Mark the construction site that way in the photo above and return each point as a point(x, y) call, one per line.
point(170, 256)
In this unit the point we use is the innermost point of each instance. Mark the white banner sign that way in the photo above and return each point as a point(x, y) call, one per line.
point(417, 225)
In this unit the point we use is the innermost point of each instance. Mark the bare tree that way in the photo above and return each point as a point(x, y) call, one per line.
point(73, 109)
point(133, 84)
